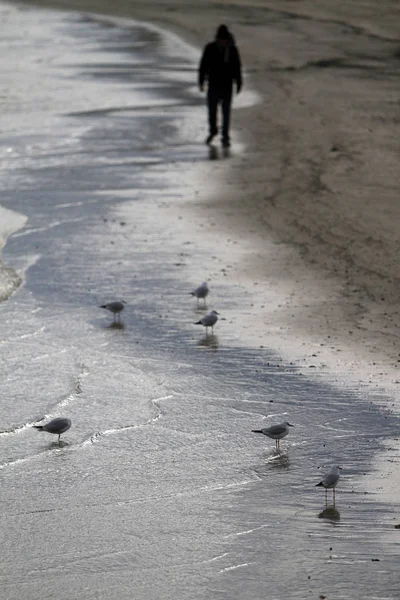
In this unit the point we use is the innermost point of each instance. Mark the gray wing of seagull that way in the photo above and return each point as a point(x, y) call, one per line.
point(201, 291)
point(209, 319)
point(331, 478)
point(276, 430)
point(114, 307)
point(58, 425)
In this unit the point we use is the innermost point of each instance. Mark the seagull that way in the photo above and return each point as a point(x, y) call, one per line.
point(208, 320)
point(330, 481)
point(276, 432)
point(58, 426)
point(201, 292)
point(115, 308)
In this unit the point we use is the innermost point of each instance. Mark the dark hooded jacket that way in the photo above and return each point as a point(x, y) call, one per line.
point(221, 66)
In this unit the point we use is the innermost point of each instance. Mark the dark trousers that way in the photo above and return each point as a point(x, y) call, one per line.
point(214, 98)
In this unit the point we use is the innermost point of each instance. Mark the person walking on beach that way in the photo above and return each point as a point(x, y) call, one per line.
point(220, 65)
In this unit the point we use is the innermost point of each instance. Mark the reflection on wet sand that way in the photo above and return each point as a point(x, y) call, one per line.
point(60, 444)
point(330, 513)
point(279, 461)
point(209, 341)
point(273, 461)
point(116, 325)
point(215, 154)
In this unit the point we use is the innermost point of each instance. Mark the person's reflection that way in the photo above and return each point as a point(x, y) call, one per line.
point(213, 153)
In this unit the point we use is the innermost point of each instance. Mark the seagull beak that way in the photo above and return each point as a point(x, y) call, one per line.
point(289, 424)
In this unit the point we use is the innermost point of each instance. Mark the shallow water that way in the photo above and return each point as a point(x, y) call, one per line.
point(159, 489)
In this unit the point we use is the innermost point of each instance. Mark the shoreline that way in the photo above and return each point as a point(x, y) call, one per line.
point(10, 222)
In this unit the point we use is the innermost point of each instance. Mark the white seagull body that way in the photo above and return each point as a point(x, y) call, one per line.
point(115, 307)
point(275, 432)
point(57, 426)
point(330, 481)
point(209, 320)
point(201, 292)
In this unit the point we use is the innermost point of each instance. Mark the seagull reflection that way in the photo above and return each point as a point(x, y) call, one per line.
point(60, 444)
point(209, 341)
point(116, 325)
point(276, 460)
point(330, 514)
point(273, 462)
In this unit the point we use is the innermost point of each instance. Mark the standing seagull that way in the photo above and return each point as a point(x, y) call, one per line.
point(201, 292)
point(330, 481)
point(276, 432)
point(58, 426)
point(209, 320)
point(115, 307)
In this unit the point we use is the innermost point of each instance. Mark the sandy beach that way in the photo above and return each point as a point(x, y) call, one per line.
point(316, 190)
point(160, 488)
point(310, 208)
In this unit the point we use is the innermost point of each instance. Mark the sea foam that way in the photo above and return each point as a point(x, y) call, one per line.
point(10, 221)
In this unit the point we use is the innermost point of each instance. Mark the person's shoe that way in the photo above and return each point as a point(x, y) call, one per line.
point(210, 138)
point(226, 142)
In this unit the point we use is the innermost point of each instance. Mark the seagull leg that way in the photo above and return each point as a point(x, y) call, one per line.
point(334, 497)
point(326, 497)
point(59, 437)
